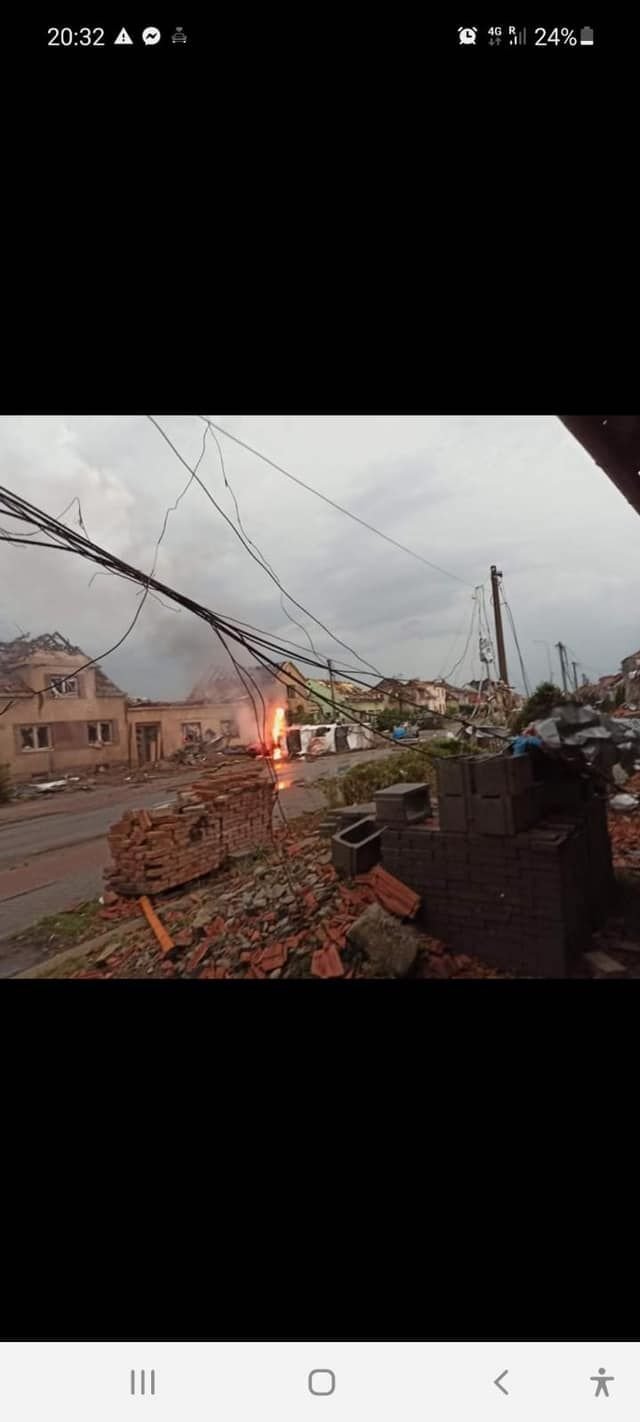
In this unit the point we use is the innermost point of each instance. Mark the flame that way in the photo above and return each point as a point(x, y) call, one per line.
point(277, 730)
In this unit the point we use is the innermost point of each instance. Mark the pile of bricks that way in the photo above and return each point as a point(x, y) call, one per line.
point(155, 850)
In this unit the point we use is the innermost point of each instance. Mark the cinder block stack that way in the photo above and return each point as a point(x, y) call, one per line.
point(159, 849)
point(526, 899)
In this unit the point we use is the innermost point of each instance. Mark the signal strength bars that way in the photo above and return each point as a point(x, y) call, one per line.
point(515, 36)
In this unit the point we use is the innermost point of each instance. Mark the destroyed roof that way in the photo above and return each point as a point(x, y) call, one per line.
point(13, 654)
point(613, 441)
point(105, 686)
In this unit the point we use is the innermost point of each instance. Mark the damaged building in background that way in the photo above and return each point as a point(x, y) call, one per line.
point(56, 714)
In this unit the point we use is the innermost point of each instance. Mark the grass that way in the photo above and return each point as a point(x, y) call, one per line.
point(64, 930)
point(362, 781)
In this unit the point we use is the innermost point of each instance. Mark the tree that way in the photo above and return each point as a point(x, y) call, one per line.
point(539, 705)
point(387, 719)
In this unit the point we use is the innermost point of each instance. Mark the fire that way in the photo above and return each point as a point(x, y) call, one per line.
point(277, 730)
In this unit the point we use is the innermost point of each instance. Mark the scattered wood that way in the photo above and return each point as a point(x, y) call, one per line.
point(166, 943)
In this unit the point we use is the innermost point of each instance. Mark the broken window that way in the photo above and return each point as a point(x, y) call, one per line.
point(64, 686)
point(35, 738)
point(100, 733)
point(191, 732)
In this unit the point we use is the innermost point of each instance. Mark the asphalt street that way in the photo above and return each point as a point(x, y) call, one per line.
point(52, 856)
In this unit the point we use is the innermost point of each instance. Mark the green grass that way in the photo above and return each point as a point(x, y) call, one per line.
point(64, 930)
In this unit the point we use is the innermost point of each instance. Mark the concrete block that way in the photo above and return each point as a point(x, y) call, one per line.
point(505, 814)
point(454, 774)
point(403, 804)
point(454, 813)
point(502, 774)
point(356, 849)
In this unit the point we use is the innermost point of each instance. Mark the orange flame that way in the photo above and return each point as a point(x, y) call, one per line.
point(277, 730)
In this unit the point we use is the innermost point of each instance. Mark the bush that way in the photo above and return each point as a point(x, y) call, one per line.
point(539, 705)
point(387, 719)
point(5, 785)
point(363, 780)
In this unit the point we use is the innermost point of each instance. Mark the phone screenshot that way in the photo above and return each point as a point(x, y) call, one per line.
point(263, 721)
point(328, 1380)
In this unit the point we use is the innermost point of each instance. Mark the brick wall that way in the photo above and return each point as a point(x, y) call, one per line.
point(159, 849)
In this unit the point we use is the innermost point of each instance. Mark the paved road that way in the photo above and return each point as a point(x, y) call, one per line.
point(53, 857)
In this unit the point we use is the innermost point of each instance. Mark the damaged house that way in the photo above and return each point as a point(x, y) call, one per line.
point(289, 690)
point(55, 714)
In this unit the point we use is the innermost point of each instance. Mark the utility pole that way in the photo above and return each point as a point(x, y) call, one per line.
point(497, 612)
point(563, 667)
point(333, 696)
point(575, 675)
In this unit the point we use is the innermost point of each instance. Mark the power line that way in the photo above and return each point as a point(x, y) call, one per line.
point(289, 617)
point(73, 542)
point(248, 549)
point(332, 502)
point(460, 660)
point(515, 638)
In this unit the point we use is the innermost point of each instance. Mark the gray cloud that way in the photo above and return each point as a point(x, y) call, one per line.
point(463, 491)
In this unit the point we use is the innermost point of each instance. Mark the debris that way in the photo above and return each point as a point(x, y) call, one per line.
point(624, 803)
point(166, 943)
point(390, 947)
point(602, 963)
point(327, 963)
point(619, 775)
point(391, 893)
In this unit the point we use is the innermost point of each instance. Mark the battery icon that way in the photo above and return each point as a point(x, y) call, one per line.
point(586, 35)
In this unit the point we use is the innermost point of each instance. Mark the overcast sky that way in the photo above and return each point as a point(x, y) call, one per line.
point(463, 491)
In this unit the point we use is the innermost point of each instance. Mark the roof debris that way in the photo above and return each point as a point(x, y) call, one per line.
point(247, 921)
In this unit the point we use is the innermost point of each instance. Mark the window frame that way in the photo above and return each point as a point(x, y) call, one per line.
point(61, 689)
point(35, 727)
point(191, 740)
point(97, 726)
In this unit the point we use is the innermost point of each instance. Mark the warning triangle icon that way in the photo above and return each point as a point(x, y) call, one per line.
point(123, 38)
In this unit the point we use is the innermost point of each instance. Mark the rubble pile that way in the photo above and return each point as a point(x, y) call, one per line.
point(606, 741)
point(624, 830)
point(156, 850)
point(284, 914)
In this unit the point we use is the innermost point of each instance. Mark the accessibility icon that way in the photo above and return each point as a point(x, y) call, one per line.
point(601, 1380)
